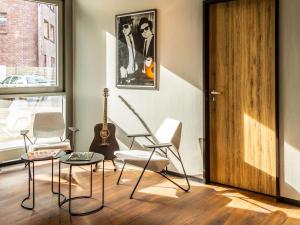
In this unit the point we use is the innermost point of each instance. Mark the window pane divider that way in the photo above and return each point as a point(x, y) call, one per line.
point(33, 94)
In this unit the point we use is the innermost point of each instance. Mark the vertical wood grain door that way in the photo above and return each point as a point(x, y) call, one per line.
point(242, 124)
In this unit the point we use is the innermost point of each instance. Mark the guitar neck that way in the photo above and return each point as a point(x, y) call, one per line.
point(105, 113)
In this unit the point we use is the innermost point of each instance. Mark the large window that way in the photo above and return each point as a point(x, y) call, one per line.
point(18, 113)
point(31, 67)
point(31, 37)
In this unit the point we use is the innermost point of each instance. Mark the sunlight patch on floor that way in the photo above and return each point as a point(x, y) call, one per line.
point(164, 189)
point(243, 202)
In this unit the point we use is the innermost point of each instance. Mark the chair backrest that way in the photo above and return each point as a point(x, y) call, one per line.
point(170, 132)
point(48, 125)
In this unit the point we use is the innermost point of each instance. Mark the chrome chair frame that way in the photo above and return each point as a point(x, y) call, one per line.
point(163, 148)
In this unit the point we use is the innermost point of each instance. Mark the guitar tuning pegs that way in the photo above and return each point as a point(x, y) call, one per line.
point(105, 92)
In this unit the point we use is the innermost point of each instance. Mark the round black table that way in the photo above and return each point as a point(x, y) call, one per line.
point(94, 160)
point(26, 157)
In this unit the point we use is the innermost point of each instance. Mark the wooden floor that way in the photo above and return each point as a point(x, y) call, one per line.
point(157, 201)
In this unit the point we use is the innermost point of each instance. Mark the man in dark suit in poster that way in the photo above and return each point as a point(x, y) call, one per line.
point(146, 30)
point(128, 65)
point(147, 49)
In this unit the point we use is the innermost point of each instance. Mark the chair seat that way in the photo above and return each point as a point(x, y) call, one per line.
point(64, 146)
point(139, 158)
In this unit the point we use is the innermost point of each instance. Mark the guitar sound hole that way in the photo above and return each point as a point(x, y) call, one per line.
point(104, 144)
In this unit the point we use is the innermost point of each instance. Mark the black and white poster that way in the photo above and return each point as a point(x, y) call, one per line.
point(136, 50)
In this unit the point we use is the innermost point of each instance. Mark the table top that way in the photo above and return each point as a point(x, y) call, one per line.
point(97, 157)
point(26, 157)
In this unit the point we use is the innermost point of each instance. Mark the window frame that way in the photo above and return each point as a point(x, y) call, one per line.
point(45, 60)
point(4, 14)
point(60, 75)
point(46, 34)
point(52, 33)
point(53, 61)
point(3, 27)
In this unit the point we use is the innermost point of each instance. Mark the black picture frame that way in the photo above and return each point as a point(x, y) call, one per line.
point(136, 61)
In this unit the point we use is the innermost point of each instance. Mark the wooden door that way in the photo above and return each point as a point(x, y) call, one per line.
point(242, 123)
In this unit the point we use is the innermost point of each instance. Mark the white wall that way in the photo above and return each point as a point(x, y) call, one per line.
point(290, 98)
point(179, 53)
point(180, 66)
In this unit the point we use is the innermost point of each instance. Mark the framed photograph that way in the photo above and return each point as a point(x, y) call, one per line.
point(136, 50)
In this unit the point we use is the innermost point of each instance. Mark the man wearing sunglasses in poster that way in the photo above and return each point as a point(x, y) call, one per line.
point(128, 65)
point(146, 30)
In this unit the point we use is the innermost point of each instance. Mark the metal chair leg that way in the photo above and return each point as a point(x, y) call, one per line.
point(136, 185)
point(186, 178)
point(118, 182)
point(161, 173)
point(113, 162)
point(131, 143)
point(131, 196)
point(96, 168)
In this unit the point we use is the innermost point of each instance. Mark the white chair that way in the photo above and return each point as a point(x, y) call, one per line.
point(49, 125)
point(166, 139)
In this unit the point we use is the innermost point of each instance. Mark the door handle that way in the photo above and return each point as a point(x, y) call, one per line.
point(214, 93)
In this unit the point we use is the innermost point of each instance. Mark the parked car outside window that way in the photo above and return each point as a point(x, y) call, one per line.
point(25, 81)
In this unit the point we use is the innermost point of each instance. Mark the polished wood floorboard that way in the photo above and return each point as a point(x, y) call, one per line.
point(156, 202)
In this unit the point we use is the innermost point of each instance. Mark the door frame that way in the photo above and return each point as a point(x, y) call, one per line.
point(206, 152)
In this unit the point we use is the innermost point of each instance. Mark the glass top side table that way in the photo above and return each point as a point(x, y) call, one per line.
point(94, 160)
point(30, 160)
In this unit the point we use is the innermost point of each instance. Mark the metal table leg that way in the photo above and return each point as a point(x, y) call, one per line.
point(60, 203)
point(52, 185)
point(70, 199)
point(52, 179)
point(30, 179)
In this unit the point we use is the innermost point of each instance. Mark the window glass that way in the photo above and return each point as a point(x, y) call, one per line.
point(3, 19)
point(3, 23)
point(46, 29)
point(52, 38)
point(17, 114)
point(6, 81)
point(29, 65)
point(13, 80)
point(30, 39)
point(53, 62)
point(16, 80)
point(36, 80)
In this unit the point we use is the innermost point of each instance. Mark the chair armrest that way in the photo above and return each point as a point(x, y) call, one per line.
point(73, 129)
point(24, 132)
point(139, 135)
point(162, 145)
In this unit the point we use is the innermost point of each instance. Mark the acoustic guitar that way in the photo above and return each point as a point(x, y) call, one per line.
point(104, 141)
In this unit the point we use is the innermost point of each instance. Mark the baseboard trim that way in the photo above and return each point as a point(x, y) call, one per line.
point(197, 179)
point(10, 163)
point(288, 201)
